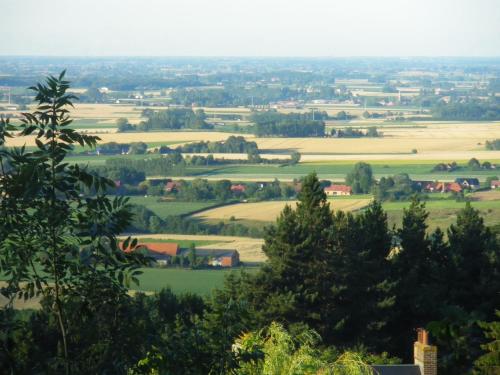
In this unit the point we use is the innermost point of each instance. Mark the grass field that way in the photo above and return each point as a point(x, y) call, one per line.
point(201, 282)
point(337, 170)
point(167, 208)
point(443, 212)
point(181, 281)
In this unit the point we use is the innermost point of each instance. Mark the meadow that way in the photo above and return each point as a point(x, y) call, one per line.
point(201, 282)
point(169, 208)
point(337, 170)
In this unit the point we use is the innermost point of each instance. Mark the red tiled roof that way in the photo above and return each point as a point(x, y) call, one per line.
point(239, 187)
point(166, 248)
point(454, 186)
point(172, 185)
point(343, 188)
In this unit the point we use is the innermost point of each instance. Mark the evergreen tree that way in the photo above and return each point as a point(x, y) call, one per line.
point(476, 263)
point(291, 281)
point(410, 270)
point(489, 363)
point(372, 277)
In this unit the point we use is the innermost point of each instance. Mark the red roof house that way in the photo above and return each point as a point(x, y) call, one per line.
point(333, 190)
point(239, 188)
point(172, 186)
point(445, 187)
point(165, 248)
point(495, 184)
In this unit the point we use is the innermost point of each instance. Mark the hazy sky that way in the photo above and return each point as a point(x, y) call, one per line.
point(250, 27)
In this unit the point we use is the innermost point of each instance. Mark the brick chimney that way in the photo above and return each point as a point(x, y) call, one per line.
point(425, 355)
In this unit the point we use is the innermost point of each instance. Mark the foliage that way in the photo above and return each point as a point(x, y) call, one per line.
point(493, 144)
point(360, 179)
point(314, 267)
point(177, 118)
point(489, 362)
point(54, 242)
point(472, 110)
point(399, 187)
point(274, 351)
point(272, 123)
point(233, 144)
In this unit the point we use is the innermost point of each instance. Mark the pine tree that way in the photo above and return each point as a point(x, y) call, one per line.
point(489, 363)
point(476, 262)
point(410, 270)
point(295, 246)
point(372, 274)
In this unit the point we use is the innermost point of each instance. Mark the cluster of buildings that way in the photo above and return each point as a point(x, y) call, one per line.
point(164, 252)
point(457, 186)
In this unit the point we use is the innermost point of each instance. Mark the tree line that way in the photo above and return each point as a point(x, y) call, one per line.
point(272, 123)
point(471, 110)
point(169, 119)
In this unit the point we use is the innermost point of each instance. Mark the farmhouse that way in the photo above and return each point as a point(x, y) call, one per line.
point(173, 186)
point(162, 252)
point(217, 257)
point(238, 188)
point(495, 184)
point(446, 187)
point(334, 190)
point(165, 248)
point(427, 186)
point(468, 183)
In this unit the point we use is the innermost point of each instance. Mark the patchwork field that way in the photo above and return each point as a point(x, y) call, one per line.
point(147, 137)
point(433, 141)
point(269, 211)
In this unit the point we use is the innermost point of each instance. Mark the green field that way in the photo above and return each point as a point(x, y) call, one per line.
point(91, 124)
point(164, 209)
point(181, 280)
point(443, 213)
point(338, 170)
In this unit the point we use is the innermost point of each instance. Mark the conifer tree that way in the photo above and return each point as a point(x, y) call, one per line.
point(476, 263)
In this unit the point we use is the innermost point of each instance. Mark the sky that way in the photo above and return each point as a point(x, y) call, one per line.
point(316, 28)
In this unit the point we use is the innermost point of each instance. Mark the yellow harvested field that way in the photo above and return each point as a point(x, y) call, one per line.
point(250, 249)
point(269, 211)
point(105, 111)
point(436, 137)
point(177, 137)
point(432, 156)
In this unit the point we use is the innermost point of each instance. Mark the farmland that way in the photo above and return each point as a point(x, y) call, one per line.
point(249, 248)
point(413, 141)
point(269, 211)
point(172, 208)
point(182, 281)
